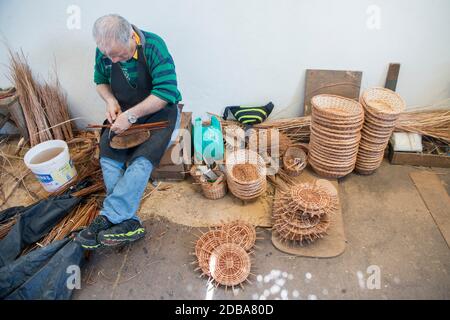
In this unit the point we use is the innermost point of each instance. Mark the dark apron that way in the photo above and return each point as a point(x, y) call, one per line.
point(128, 96)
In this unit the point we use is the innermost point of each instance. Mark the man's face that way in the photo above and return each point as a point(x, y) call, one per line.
point(118, 52)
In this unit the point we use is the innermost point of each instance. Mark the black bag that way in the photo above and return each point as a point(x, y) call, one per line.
point(249, 115)
point(33, 223)
point(42, 274)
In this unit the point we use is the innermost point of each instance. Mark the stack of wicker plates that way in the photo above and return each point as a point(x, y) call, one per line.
point(336, 123)
point(382, 109)
point(302, 214)
point(246, 174)
point(223, 253)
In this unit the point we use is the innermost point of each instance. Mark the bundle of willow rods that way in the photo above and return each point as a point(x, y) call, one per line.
point(6, 226)
point(44, 105)
point(297, 129)
point(433, 123)
point(80, 217)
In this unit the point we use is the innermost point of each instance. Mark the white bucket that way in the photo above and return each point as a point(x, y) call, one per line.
point(50, 162)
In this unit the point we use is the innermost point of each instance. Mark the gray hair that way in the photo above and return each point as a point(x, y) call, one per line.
point(111, 28)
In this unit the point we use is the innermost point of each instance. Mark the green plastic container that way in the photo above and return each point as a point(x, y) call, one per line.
point(208, 141)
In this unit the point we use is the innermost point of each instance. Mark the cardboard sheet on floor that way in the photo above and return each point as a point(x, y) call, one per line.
point(183, 203)
point(332, 245)
point(436, 199)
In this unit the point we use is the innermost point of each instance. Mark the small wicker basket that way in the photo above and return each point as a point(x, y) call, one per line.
point(243, 186)
point(294, 161)
point(217, 189)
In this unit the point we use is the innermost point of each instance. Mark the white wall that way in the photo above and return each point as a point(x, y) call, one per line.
point(244, 51)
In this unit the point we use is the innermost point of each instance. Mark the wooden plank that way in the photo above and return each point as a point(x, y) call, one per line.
point(418, 159)
point(392, 76)
point(169, 169)
point(436, 199)
point(337, 82)
point(179, 145)
point(174, 172)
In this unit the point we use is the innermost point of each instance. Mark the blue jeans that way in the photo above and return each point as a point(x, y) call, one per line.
point(126, 185)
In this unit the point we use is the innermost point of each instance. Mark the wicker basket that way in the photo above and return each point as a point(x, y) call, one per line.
point(195, 174)
point(294, 161)
point(246, 186)
point(383, 103)
point(382, 109)
point(336, 107)
point(217, 189)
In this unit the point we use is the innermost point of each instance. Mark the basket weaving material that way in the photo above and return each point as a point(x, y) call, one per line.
point(229, 264)
point(382, 109)
point(294, 161)
point(270, 141)
point(246, 174)
point(217, 189)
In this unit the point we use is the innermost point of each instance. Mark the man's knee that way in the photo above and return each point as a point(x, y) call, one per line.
point(108, 162)
point(141, 163)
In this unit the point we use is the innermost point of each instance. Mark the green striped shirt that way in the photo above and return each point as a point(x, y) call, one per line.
point(160, 63)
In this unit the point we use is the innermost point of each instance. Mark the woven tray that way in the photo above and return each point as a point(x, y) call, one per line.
point(333, 164)
point(328, 173)
point(336, 106)
point(383, 102)
point(241, 233)
point(333, 133)
point(331, 167)
point(333, 156)
point(338, 149)
point(229, 264)
point(342, 125)
point(377, 123)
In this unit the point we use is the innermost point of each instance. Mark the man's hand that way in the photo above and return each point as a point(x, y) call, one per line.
point(121, 124)
point(112, 110)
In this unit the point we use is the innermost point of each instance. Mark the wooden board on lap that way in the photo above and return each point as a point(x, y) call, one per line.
point(337, 82)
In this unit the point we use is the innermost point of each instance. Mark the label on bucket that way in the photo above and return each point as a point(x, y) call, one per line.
point(58, 177)
point(44, 178)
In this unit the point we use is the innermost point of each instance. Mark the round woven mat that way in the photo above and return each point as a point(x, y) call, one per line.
point(229, 264)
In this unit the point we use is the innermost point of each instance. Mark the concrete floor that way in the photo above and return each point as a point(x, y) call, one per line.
point(386, 223)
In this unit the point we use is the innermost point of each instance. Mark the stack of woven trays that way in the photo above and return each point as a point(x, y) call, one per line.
point(336, 123)
point(246, 174)
point(382, 109)
point(302, 214)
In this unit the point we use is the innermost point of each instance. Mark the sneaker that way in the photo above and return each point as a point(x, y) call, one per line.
point(126, 231)
point(88, 237)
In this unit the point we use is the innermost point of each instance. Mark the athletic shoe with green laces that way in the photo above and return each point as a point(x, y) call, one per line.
point(88, 237)
point(124, 232)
